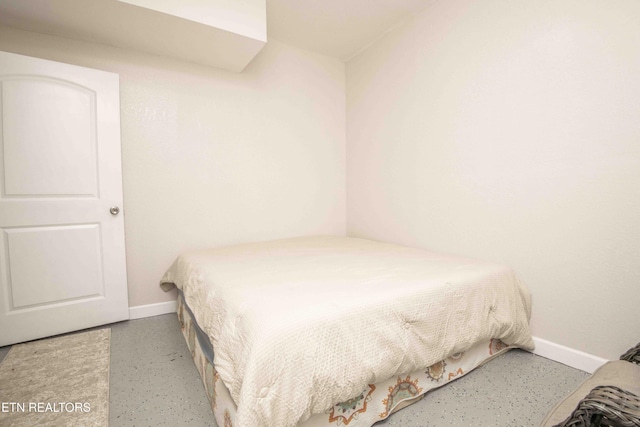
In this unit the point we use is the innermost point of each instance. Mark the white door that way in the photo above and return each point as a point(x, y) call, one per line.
point(62, 259)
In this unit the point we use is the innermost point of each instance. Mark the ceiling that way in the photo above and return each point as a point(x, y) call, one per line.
point(123, 24)
point(338, 28)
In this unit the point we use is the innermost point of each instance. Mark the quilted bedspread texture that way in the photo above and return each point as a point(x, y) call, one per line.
point(298, 325)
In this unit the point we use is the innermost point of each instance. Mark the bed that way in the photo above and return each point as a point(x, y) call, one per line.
point(327, 330)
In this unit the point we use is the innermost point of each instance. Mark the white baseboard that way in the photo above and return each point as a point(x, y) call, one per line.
point(568, 356)
point(150, 310)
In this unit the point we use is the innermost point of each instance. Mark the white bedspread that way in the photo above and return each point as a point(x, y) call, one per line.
point(298, 325)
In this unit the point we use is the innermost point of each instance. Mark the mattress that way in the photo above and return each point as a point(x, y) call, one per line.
point(375, 403)
point(300, 325)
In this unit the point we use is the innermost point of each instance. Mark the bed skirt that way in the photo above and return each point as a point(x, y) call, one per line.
point(375, 403)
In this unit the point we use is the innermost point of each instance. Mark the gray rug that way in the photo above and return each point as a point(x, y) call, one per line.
point(62, 381)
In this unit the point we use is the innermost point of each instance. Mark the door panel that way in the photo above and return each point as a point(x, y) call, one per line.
point(62, 254)
point(48, 138)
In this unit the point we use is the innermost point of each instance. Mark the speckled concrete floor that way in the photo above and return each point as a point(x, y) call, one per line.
point(515, 389)
point(153, 379)
point(154, 383)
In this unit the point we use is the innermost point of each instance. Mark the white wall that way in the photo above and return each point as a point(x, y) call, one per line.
point(213, 158)
point(510, 131)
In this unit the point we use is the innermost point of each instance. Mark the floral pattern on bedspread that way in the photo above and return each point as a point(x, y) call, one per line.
point(227, 419)
point(344, 412)
point(496, 346)
point(404, 389)
point(375, 403)
point(435, 372)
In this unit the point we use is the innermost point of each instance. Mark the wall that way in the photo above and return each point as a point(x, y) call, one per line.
point(212, 157)
point(509, 131)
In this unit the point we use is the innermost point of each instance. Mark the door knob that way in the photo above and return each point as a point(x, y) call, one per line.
point(114, 210)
